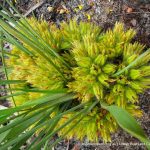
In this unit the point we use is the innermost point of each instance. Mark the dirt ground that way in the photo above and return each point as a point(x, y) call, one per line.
point(133, 13)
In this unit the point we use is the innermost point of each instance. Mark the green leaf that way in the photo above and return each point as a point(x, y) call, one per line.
point(24, 124)
point(11, 95)
point(29, 133)
point(43, 123)
point(4, 63)
point(32, 33)
point(2, 70)
point(47, 98)
point(73, 126)
point(54, 122)
point(132, 64)
point(9, 38)
point(9, 54)
point(3, 135)
point(3, 82)
point(20, 124)
point(36, 90)
point(127, 122)
point(34, 43)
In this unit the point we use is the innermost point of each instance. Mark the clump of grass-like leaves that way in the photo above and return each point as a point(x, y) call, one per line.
point(75, 81)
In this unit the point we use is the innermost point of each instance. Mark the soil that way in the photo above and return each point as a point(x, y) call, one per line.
point(133, 13)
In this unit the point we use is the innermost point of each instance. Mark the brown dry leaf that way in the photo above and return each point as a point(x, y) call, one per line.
point(129, 10)
point(50, 9)
point(76, 147)
point(80, 7)
point(62, 10)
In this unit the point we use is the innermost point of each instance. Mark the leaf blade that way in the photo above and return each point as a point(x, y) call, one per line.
point(127, 122)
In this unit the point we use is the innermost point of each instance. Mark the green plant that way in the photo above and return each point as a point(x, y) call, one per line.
point(69, 79)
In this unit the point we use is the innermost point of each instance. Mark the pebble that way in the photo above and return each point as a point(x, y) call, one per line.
point(50, 9)
point(133, 22)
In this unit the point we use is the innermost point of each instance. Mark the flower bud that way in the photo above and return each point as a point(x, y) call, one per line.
point(109, 68)
point(135, 74)
point(103, 79)
point(98, 91)
point(100, 60)
point(131, 95)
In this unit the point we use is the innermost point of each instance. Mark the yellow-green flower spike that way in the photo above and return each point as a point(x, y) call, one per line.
point(94, 57)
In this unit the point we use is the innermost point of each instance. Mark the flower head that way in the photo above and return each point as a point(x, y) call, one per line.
point(94, 58)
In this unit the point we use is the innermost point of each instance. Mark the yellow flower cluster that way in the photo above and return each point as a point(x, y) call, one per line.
point(94, 58)
point(98, 123)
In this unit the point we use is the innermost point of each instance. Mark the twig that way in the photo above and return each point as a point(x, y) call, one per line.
point(33, 8)
point(132, 13)
point(4, 65)
point(67, 145)
point(53, 148)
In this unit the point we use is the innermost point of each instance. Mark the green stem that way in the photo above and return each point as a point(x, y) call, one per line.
point(87, 110)
point(4, 65)
point(131, 64)
point(14, 32)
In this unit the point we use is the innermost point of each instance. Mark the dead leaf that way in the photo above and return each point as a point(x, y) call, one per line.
point(129, 10)
point(76, 147)
point(50, 9)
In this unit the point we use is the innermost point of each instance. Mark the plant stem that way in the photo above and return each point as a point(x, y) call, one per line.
point(4, 65)
point(131, 64)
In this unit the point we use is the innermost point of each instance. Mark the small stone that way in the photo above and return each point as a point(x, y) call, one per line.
point(50, 9)
point(133, 22)
point(2, 107)
point(129, 10)
point(62, 11)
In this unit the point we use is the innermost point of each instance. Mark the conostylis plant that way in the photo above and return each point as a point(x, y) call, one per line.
point(74, 81)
